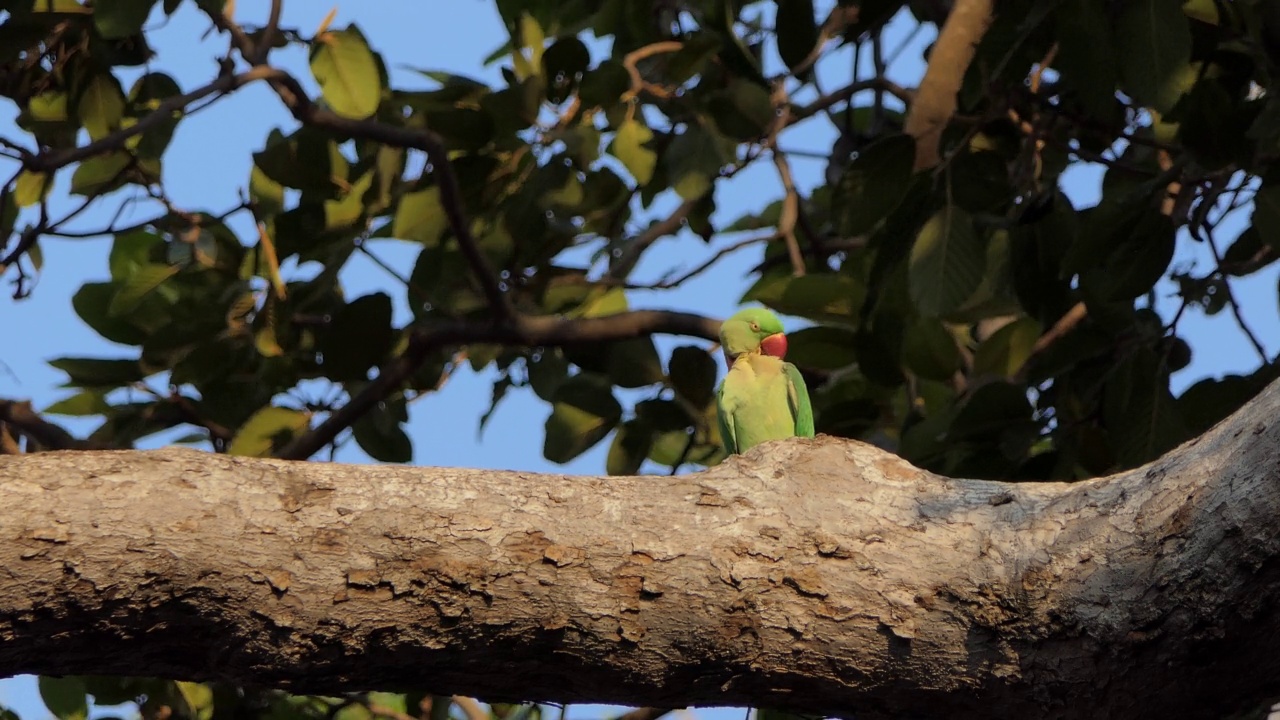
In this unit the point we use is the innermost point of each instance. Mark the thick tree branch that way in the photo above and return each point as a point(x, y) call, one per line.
point(816, 576)
point(523, 331)
point(935, 100)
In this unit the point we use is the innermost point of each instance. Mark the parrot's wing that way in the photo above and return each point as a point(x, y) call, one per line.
point(727, 436)
point(798, 397)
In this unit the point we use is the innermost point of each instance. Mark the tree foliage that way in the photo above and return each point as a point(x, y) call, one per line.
point(960, 310)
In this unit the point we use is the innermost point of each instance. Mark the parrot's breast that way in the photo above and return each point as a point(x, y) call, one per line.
point(755, 401)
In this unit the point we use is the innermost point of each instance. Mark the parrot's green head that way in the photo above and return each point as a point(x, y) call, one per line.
point(752, 330)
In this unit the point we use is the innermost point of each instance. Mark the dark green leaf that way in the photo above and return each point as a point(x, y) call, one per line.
point(824, 347)
point(603, 86)
point(979, 182)
point(817, 296)
point(1211, 400)
point(630, 447)
point(797, 31)
point(948, 260)
point(65, 697)
point(875, 183)
point(358, 337)
point(98, 372)
point(1266, 213)
point(1154, 49)
point(583, 413)
point(379, 433)
point(100, 106)
point(1140, 414)
point(100, 174)
point(930, 350)
point(562, 64)
point(742, 111)
point(693, 374)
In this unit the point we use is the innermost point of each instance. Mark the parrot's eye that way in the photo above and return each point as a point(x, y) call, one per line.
point(755, 327)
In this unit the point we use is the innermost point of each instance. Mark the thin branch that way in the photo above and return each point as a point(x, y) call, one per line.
point(846, 93)
point(540, 331)
point(267, 38)
point(644, 713)
point(631, 254)
point(47, 162)
point(790, 213)
point(705, 265)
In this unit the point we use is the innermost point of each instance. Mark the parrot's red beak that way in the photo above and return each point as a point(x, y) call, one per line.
point(775, 345)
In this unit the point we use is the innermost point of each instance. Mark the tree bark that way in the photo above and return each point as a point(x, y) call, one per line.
point(821, 576)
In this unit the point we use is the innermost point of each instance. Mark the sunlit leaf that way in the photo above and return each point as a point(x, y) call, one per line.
point(347, 72)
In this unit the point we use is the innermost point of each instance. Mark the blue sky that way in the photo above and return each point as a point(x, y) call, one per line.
point(208, 164)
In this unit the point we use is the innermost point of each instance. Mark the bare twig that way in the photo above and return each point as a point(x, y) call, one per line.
point(668, 226)
point(791, 198)
point(846, 93)
point(263, 47)
point(705, 265)
point(638, 83)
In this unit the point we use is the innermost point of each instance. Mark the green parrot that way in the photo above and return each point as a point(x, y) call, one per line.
point(762, 397)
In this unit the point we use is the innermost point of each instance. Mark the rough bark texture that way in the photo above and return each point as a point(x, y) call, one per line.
point(822, 576)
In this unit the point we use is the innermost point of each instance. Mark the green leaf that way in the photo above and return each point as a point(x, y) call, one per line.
point(120, 18)
point(546, 372)
point(990, 411)
point(302, 160)
point(1007, 349)
point(947, 262)
point(66, 697)
point(199, 699)
point(347, 72)
point(629, 146)
point(380, 434)
point(91, 302)
point(85, 402)
point(1154, 49)
point(604, 86)
point(631, 444)
point(100, 106)
point(31, 188)
point(929, 350)
point(1211, 400)
point(100, 173)
point(693, 160)
point(742, 111)
point(562, 64)
point(1087, 56)
point(979, 181)
point(99, 372)
point(583, 413)
point(1137, 262)
point(824, 347)
point(875, 182)
point(693, 374)
point(268, 429)
point(139, 283)
point(1140, 414)
point(420, 217)
point(130, 251)
point(358, 337)
point(817, 296)
point(797, 31)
